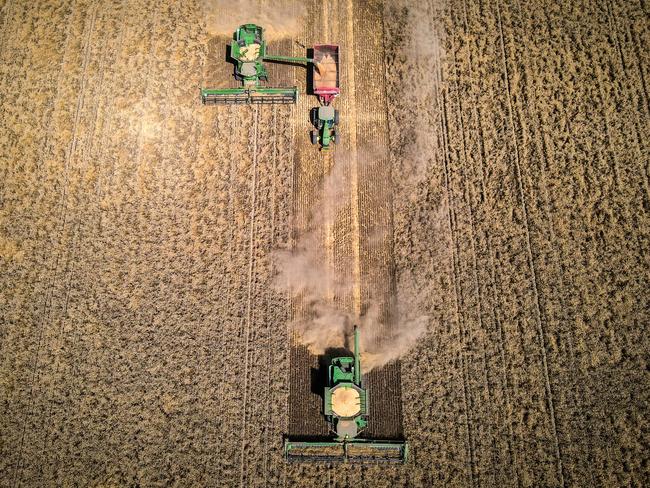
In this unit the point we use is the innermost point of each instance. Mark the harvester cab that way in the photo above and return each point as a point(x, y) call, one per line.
point(345, 407)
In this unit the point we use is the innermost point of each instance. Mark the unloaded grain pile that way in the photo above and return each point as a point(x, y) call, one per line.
point(346, 402)
point(325, 75)
point(250, 52)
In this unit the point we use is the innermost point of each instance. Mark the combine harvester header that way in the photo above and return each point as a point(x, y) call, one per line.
point(248, 50)
point(345, 407)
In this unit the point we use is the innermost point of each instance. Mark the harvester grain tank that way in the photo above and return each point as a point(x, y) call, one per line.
point(248, 50)
point(345, 407)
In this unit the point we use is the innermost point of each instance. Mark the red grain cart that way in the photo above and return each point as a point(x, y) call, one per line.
point(326, 72)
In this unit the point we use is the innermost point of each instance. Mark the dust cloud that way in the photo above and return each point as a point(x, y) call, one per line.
point(285, 19)
point(306, 274)
point(418, 44)
point(381, 344)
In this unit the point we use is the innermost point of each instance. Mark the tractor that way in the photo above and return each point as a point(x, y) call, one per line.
point(325, 119)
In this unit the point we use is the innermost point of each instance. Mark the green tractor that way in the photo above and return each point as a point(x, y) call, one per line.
point(325, 118)
point(345, 407)
point(248, 50)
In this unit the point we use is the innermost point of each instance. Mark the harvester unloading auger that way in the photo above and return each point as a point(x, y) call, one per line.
point(345, 407)
point(248, 50)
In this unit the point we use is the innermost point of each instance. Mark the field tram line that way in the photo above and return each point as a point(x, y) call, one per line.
point(47, 145)
point(613, 28)
point(88, 149)
point(458, 293)
point(643, 92)
point(269, 362)
point(494, 280)
point(230, 299)
point(260, 380)
point(7, 13)
point(99, 187)
point(164, 156)
point(542, 141)
point(522, 194)
point(639, 56)
point(63, 215)
point(475, 110)
point(7, 7)
point(468, 189)
point(102, 155)
point(250, 287)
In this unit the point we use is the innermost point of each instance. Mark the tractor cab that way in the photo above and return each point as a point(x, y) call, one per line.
point(325, 119)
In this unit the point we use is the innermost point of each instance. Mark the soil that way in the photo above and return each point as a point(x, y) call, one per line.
point(497, 155)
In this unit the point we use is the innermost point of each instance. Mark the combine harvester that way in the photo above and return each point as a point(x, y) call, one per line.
point(248, 50)
point(345, 407)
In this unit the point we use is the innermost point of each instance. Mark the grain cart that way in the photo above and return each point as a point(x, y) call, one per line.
point(326, 87)
point(248, 50)
point(345, 407)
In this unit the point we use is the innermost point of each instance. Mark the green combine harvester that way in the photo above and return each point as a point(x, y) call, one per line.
point(248, 50)
point(345, 407)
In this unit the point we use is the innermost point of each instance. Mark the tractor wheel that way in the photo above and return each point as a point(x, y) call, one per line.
point(314, 137)
point(335, 137)
point(336, 117)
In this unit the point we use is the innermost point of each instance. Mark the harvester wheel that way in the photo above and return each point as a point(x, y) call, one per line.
point(314, 137)
point(336, 117)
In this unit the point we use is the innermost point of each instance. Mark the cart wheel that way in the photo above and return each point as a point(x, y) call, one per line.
point(314, 137)
point(336, 117)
